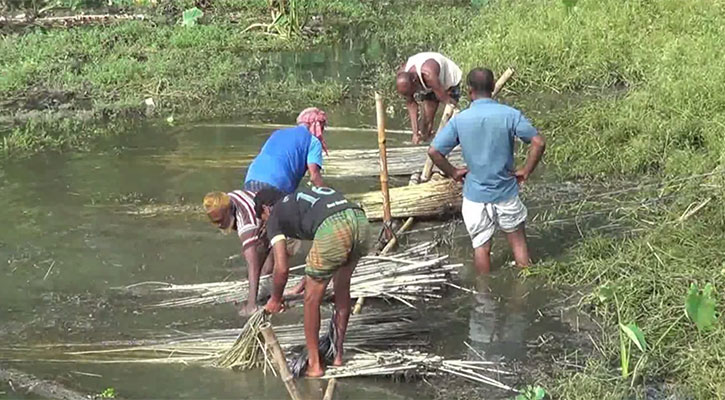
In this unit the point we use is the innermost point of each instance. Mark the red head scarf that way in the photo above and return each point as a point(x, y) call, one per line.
point(315, 120)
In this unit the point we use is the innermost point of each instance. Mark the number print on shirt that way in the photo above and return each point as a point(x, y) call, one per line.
point(306, 197)
point(324, 191)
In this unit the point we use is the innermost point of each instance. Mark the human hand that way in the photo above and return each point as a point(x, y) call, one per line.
point(416, 138)
point(459, 174)
point(274, 306)
point(521, 175)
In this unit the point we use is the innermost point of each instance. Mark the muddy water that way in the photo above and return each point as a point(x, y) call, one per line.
point(67, 242)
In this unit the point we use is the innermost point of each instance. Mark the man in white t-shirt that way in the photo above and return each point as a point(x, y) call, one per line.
point(431, 78)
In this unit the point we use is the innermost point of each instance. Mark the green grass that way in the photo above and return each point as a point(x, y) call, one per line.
point(651, 272)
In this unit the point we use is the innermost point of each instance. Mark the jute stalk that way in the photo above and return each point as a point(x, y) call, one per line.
point(278, 355)
point(380, 114)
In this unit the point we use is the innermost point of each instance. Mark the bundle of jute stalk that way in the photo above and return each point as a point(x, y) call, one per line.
point(415, 363)
point(415, 274)
point(247, 349)
point(437, 197)
point(401, 327)
point(401, 161)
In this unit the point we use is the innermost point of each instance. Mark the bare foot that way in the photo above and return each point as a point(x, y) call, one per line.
point(246, 310)
point(337, 362)
point(297, 289)
point(314, 372)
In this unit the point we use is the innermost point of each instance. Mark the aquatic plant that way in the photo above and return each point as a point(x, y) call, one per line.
point(190, 16)
point(288, 18)
point(532, 393)
point(700, 306)
point(628, 334)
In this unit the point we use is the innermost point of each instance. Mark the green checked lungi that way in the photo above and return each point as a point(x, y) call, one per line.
point(341, 238)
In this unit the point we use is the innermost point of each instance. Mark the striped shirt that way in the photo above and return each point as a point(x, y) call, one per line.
point(245, 219)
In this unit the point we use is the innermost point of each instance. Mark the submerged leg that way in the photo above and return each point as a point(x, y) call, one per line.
point(314, 292)
point(482, 257)
point(296, 289)
point(343, 306)
point(517, 241)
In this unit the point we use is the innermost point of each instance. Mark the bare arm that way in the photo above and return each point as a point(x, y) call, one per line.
point(412, 107)
point(281, 271)
point(254, 267)
point(442, 162)
point(536, 151)
point(315, 175)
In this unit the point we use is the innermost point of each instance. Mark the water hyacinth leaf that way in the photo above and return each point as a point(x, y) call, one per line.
point(190, 16)
point(700, 306)
point(635, 335)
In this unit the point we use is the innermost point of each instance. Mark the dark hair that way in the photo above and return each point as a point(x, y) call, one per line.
point(266, 197)
point(480, 80)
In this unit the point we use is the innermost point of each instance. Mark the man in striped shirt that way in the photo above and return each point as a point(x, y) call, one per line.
point(235, 211)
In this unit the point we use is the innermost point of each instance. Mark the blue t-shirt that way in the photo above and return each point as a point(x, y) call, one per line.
point(486, 132)
point(283, 160)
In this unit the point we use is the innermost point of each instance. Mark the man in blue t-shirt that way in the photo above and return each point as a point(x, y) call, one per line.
point(284, 159)
point(486, 132)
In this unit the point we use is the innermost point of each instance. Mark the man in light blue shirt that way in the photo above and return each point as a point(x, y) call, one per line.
point(486, 133)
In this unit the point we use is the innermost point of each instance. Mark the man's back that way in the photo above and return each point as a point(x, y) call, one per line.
point(283, 160)
point(486, 132)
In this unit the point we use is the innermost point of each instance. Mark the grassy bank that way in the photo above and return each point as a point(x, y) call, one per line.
point(53, 79)
point(655, 75)
point(664, 61)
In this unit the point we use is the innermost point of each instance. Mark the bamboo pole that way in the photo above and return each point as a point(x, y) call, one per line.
point(380, 114)
point(502, 81)
point(330, 391)
point(278, 355)
point(428, 167)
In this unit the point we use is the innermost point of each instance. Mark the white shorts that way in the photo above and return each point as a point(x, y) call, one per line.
point(481, 219)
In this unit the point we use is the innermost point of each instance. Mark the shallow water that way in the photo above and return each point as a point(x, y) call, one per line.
point(67, 242)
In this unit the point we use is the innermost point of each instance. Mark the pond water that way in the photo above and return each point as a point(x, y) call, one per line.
point(66, 244)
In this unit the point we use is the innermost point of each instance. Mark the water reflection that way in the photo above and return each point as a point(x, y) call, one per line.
point(499, 316)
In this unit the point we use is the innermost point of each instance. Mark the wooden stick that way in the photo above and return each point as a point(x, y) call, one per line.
point(24, 383)
point(428, 167)
point(502, 81)
point(389, 246)
point(330, 391)
point(380, 113)
point(278, 355)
